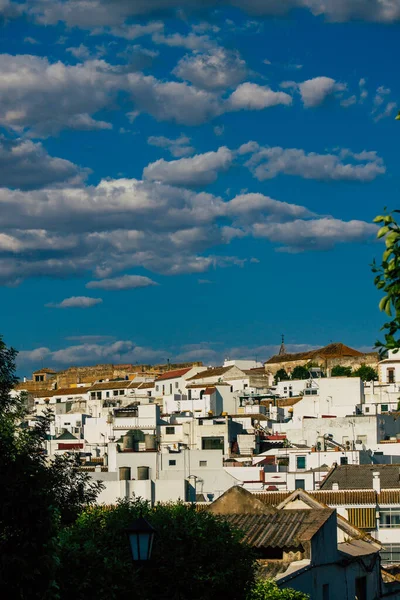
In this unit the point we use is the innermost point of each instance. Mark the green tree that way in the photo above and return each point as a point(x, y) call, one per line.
point(281, 375)
point(366, 373)
point(300, 372)
point(340, 371)
point(36, 497)
point(195, 556)
point(387, 280)
point(267, 589)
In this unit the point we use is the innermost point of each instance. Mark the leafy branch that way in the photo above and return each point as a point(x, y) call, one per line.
point(387, 280)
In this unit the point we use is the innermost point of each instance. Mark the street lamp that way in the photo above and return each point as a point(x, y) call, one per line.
point(141, 536)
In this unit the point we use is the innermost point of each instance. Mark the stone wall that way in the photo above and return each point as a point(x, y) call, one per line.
point(371, 359)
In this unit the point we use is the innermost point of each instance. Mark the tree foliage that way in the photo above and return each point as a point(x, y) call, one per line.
point(267, 589)
point(387, 280)
point(366, 373)
point(340, 371)
point(37, 496)
point(281, 375)
point(300, 372)
point(195, 555)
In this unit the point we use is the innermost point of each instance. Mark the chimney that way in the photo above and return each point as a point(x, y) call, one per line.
point(376, 482)
point(335, 487)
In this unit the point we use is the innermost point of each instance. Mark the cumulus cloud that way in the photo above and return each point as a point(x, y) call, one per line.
point(120, 225)
point(315, 91)
point(178, 147)
point(122, 351)
point(125, 282)
point(26, 165)
point(133, 32)
point(76, 302)
point(95, 13)
point(217, 69)
point(343, 165)
point(315, 234)
point(31, 86)
point(252, 96)
point(191, 41)
point(80, 52)
point(199, 170)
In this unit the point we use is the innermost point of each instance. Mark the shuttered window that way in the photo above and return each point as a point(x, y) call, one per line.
point(363, 518)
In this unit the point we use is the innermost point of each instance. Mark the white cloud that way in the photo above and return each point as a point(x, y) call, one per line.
point(31, 40)
point(198, 170)
point(122, 351)
point(31, 86)
point(133, 32)
point(387, 112)
point(173, 101)
point(315, 91)
point(178, 147)
point(219, 130)
point(252, 96)
point(125, 282)
point(217, 69)
point(344, 165)
point(95, 13)
point(76, 302)
point(26, 165)
point(80, 52)
point(191, 41)
point(316, 234)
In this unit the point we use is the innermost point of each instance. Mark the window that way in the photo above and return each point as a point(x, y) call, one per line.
point(39, 377)
point(170, 388)
point(285, 390)
point(390, 554)
point(58, 400)
point(163, 389)
point(389, 519)
point(157, 388)
point(121, 392)
point(170, 430)
point(325, 591)
point(189, 394)
point(384, 407)
point(300, 484)
point(344, 460)
point(172, 463)
point(93, 395)
point(107, 394)
point(98, 395)
point(390, 375)
point(367, 409)
point(301, 462)
point(212, 443)
point(202, 463)
point(361, 588)
point(176, 384)
point(115, 393)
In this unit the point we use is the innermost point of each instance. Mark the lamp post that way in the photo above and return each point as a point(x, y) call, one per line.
point(141, 536)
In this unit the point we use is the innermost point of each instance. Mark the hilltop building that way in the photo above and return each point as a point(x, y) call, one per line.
point(326, 358)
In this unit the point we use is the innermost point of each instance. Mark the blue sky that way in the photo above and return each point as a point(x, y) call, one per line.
point(187, 181)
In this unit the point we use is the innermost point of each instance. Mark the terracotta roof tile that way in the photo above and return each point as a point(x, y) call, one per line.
point(173, 374)
point(212, 372)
